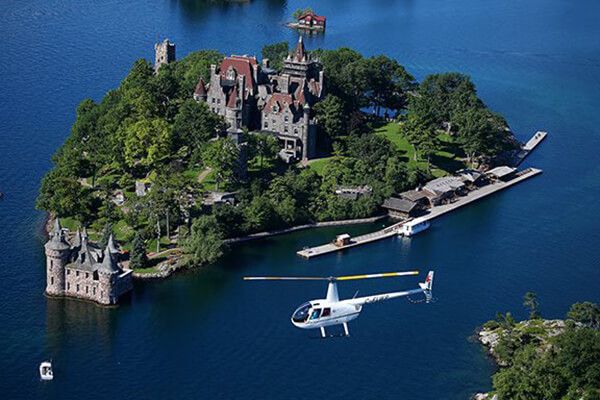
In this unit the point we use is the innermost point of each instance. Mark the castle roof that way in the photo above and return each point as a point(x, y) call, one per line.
point(200, 88)
point(299, 53)
point(57, 239)
point(108, 265)
point(111, 246)
point(232, 100)
point(243, 65)
point(85, 259)
point(283, 101)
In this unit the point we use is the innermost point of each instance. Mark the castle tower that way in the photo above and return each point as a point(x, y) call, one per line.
point(107, 275)
point(164, 53)
point(57, 256)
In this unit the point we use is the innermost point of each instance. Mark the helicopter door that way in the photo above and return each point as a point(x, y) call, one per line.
point(316, 313)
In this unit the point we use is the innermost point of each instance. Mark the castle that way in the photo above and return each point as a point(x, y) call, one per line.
point(80, 269)
point(253, 96)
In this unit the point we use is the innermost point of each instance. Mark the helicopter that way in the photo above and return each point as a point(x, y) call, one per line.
point(322, 313)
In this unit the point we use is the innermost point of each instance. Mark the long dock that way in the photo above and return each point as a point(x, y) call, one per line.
point(433, 213)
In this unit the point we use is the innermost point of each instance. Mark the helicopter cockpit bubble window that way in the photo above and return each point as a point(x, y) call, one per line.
point(315, 314)
point(301, 314)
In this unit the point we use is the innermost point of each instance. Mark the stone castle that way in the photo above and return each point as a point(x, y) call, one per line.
point(253, 96)
point(80, 269)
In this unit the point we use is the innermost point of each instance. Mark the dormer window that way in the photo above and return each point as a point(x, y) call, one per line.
point(287, 119)
point(230, 74)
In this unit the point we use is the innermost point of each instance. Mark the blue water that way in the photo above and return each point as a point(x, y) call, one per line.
point(207, 334)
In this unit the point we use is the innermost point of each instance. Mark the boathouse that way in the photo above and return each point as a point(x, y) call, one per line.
point(502, 173)
point(416, 196)
point(310, 20)
point(444, 189)
point(401, 208)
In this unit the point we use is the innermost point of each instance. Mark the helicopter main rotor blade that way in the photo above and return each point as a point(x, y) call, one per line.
point(381, 275)
point(284, 278)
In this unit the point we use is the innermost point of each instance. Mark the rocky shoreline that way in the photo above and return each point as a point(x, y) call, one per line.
point(491, 334)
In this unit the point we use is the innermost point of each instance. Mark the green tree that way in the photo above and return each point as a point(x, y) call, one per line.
point(330, 113)
point(195, 125)
point(205, 242)
point(421, 135)
point(276, 53)
point(138, 258)
point(586, 313)
point(388, 83)
point(64, 196)
point(531, 302)
point(106, 232)
point(263, 146)
point(301, 11)
point(222, 155)
point(146, 142)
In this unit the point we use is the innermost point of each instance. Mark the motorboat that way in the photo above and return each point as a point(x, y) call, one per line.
point(46, 371)
point(413, 227)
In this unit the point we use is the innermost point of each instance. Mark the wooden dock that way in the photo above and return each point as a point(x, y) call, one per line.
point(434, 212)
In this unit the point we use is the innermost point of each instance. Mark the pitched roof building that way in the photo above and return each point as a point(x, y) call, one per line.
point(249, 95)
point(84, 271)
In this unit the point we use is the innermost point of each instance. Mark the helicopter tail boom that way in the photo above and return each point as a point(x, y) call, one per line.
point(424, 287)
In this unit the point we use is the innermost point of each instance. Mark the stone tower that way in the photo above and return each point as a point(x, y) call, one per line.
point(164, 53)
point(107, 274)
point(57, 256)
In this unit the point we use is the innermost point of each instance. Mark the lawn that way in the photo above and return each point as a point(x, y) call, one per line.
point(443, 162)
point(318, 165)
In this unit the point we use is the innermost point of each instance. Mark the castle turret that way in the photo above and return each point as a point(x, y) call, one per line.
point(164, 53)
point(58, 251)
point(107, 274)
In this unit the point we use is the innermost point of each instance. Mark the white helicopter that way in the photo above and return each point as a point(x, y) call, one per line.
point(331, 311)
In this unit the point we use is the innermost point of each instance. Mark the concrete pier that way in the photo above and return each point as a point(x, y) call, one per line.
point(528, 147)
point(434, 212)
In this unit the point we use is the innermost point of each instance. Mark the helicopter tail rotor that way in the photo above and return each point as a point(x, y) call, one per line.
point(427, 286)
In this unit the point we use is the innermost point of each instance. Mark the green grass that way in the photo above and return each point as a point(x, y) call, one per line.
point(123, 232)
point(319, 165)
point(151, 245)
point(192, 173)
point(443, 162)
point(70, 223)
point(209, 183)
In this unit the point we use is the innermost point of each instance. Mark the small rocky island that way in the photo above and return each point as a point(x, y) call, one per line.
point(544, 359)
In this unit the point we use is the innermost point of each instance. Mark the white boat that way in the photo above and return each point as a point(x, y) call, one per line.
point(413, 227)
point(46, 371)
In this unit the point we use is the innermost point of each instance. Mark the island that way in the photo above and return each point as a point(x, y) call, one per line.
point(188, 156)
point(307, 20)
point(544, 359)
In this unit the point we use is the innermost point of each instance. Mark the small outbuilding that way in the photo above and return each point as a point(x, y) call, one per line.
point(416, 196)
point(503, 173)
point(310, 20)
point(342, 240)
point(353, 193)
point(400, 208)
point(472, 177)
point(444, 189)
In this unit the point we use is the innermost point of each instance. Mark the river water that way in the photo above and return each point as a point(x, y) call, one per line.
point(208, 334)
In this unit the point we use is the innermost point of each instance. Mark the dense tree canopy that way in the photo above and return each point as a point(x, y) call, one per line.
point(150, 133)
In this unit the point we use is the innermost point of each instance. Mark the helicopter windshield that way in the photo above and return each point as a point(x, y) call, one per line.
point(301, 314)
